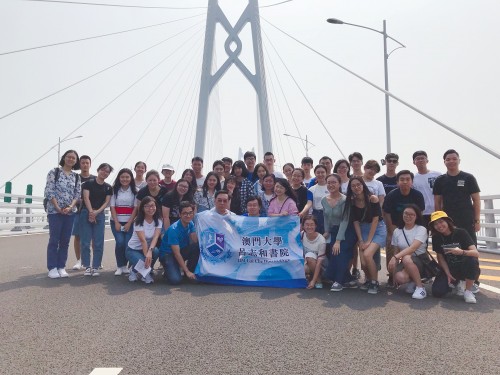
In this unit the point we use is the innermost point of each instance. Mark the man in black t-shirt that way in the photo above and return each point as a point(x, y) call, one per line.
point(394, 205)
point(85, 163)
point(457, 193)
point(389, 179)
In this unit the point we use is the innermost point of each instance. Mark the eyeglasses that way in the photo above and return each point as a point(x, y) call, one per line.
point(150, 206)
point(408, 214)
point(392, 161)
point(187, 213)
point(356, 186)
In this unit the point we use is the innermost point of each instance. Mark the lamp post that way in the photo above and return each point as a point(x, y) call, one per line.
point(386, 70)
point(302, 139)
point(59, 145)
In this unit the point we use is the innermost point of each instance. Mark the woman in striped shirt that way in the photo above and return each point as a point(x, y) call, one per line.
point(122, 218)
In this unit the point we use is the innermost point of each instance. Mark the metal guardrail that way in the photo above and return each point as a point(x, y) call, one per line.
point(19, 216)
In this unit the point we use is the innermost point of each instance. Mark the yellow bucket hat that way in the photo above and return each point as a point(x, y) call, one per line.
point(436, 215)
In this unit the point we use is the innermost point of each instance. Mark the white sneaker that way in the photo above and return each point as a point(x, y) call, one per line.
point(318, 286)
point(148, 279)
point(62, 272)
point(410, 287)
point(78, 265)
point(95, 272)
point(88, 272)
point(54, 274)
point(119, 271)
point(419, 293)
point(469, 297)
point(125, 270)
point(132, 277)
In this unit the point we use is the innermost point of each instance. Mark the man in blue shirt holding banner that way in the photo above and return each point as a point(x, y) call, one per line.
point(180, 243)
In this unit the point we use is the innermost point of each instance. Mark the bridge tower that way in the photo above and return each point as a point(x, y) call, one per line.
point(208, 80)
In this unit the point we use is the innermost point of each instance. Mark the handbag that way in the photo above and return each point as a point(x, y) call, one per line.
point(431, 266)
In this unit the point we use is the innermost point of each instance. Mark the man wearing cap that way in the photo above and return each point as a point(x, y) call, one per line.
point(389, 179)
point(167, 171)
point(424, 182)
point(457, 194)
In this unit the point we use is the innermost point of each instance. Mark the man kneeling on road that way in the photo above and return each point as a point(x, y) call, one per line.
point(180, 244)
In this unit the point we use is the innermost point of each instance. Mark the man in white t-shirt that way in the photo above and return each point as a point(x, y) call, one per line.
point(424, 182)
point(376, 187)
point(269, 163)
point(197, 166)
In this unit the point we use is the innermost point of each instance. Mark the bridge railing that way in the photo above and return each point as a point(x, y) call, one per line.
point(19, 215)
point(24, 213)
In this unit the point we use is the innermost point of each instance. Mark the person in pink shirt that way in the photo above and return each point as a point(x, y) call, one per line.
point(285, 202)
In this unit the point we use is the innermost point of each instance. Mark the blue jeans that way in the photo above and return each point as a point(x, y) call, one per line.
point(338, 265)
point(133, 256)
point(91, 232)
point(59, 235)
point(121, 243)
point(172, 270)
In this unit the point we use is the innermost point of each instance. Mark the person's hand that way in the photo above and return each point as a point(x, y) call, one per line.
point(451, 279)
point(310, 285)
point(126, 227)
point(336, 248)
point(149, 258)
point(118, 226)
point(363, 245)
point(190, 275)
point(477, 227)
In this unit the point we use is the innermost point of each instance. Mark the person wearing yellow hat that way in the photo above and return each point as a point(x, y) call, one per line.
point(457, 255)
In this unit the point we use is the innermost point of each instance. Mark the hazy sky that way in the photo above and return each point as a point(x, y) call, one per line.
point(450, 70)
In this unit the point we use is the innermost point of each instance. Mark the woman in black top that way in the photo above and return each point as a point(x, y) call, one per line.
point(152, 189)
point(171, 202)
point(457, 255)
point(366, 215)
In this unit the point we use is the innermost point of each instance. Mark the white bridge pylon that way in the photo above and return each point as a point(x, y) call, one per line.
point(208, 80)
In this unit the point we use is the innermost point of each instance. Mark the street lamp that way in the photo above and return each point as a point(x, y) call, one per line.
point(302, 139)
point(386, 72)
point(59, 145)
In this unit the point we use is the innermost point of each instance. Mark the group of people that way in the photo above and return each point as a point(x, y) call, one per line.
point(346, 214)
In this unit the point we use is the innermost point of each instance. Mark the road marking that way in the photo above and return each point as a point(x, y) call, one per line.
point(490, 288)
point(494, 268)
point(487, 260)
point(106, 371)
point(488, 277)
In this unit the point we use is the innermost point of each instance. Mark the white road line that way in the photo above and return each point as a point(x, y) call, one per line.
point(490, 288)
point(106, 371)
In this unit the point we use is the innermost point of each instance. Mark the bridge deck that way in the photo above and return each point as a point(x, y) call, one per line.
point(75, 325)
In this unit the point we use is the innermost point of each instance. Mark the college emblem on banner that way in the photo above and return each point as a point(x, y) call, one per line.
point(215, 247)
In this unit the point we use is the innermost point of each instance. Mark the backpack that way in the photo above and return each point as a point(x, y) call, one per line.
point(57, 171)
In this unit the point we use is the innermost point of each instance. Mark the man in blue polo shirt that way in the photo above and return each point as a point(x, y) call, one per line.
point(180, 244)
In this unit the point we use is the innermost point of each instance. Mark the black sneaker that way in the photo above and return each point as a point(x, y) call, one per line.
point(365, 285)
point(373, 288)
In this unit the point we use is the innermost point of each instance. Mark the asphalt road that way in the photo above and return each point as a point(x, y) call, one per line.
point(71, 326)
